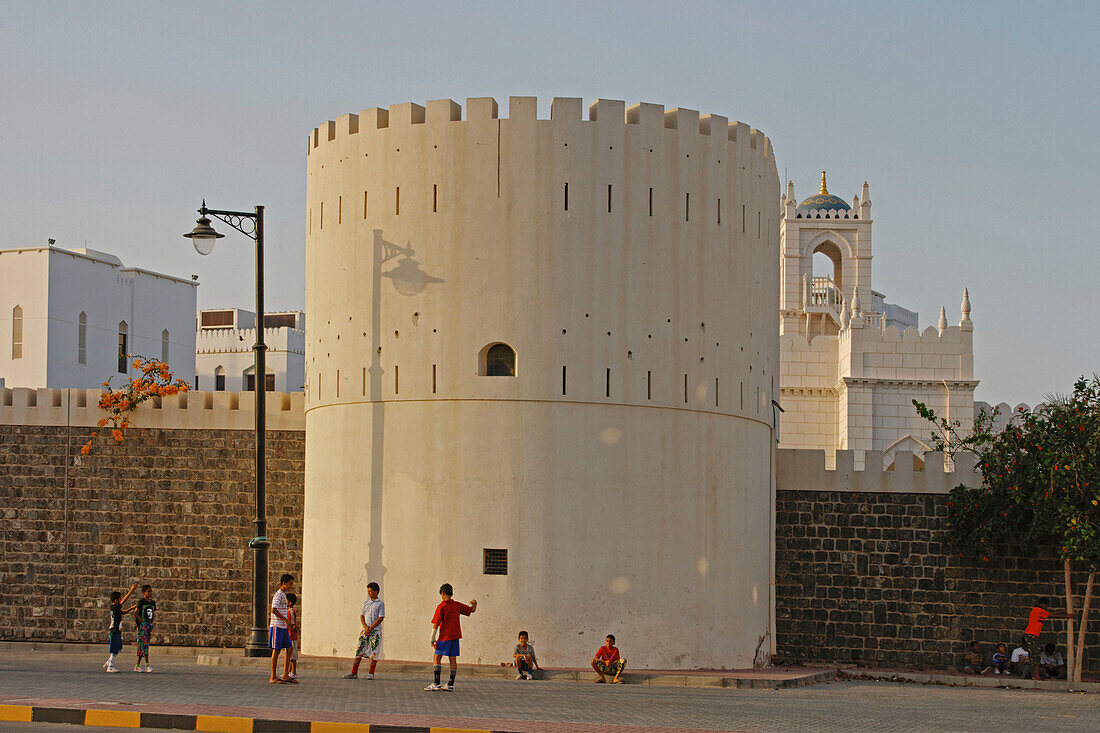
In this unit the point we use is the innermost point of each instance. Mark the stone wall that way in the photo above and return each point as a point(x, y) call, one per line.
point(172, 508)
point(871, 579)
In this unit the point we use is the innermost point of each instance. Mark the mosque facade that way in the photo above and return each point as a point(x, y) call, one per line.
point(851, 364)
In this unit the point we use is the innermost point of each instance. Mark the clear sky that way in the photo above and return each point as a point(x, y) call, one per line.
point(976, 125)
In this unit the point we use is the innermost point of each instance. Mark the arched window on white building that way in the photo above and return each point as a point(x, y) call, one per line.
point(164, 346)
point(219, 379)
point(17, 332)
point(123, 333)
point(82, 338)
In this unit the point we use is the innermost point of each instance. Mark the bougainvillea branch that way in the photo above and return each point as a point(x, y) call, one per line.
point(1040, 487)
point(154, 380)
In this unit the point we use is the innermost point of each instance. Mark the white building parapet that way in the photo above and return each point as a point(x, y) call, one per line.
point(804, 470)
point(184, 411)
point(241, 340)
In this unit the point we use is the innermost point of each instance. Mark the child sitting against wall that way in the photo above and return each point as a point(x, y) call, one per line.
point(1000, 660)
point(974, 660)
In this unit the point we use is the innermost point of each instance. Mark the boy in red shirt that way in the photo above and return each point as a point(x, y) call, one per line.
point(446, 631)
point(1035, 619)
point(607, 661)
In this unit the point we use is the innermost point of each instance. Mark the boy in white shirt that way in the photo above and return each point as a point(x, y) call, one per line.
point(1021, 662)
point(279, 630)
point(370, 638)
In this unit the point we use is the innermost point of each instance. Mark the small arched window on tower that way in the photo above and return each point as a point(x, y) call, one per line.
point(497, 360)
point(164, 346)
point(219, 379)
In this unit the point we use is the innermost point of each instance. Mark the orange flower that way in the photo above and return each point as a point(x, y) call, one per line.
point(117, 435)
point(137, 363)
point(102, 421)
point(86, 449)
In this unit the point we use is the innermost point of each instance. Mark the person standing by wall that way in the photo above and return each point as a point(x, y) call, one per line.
point(279, 631)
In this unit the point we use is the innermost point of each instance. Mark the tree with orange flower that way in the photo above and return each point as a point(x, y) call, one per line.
point(155, 380)
point(1040, 487)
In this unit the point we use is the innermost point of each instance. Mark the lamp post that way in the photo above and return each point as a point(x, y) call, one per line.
point(203, 236)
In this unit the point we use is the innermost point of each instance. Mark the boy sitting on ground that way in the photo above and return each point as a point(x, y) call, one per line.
point(607, 661)
point(523, 657)
point(1000, 660)
point(1021, 660)
point(974, 660)
point(1051, 663)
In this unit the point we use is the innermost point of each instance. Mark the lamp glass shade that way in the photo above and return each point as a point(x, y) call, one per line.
point(204, 245)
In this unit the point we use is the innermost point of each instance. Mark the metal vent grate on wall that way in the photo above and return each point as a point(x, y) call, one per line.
point(496, 561)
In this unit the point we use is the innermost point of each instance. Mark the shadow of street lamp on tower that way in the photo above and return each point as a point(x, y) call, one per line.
point(406, 276)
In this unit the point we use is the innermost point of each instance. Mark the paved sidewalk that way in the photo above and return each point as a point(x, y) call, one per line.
point(62, 679)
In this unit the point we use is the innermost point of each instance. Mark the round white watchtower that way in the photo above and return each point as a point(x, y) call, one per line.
point(541, 361)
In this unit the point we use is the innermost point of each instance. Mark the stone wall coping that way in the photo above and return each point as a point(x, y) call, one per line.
point(191, 410)
point(804, 470)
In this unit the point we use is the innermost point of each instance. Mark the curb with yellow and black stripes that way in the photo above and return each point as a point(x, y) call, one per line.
point(211, 723)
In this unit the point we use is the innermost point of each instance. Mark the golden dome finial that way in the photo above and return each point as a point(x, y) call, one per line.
point(823, 191)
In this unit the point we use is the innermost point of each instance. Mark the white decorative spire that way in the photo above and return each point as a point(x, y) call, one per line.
point(943, 319)
point(855, 301)
point(790, 190)
point(865, 196)
point(965, 307)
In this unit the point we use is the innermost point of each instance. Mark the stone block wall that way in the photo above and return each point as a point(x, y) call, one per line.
point(871, 579)
point(172, 508)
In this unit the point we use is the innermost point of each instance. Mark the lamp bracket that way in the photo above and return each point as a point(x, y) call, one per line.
point(243, 221)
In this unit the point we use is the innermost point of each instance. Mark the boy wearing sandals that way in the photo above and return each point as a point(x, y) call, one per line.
point(279, 631)
point(608, 662)
point(370, 638)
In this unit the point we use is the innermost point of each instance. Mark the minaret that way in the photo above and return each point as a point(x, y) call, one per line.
point(965, 306)
point(942, 326)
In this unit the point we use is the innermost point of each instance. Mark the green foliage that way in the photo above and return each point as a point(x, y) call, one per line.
point(1040, 478)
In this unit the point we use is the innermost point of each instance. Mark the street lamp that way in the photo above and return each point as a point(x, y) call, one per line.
point(203, 236)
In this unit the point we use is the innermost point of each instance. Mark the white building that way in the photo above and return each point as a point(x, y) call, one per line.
point(542, 362)
point(70, 318)
point(851, 363)
point(225, 360)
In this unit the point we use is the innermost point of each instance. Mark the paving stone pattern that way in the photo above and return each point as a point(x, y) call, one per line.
point(545, 707)
point(872, 579)
point(172, 508)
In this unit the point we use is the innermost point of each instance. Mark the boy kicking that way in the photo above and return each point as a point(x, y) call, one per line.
point(370, 638)
point(446, 631)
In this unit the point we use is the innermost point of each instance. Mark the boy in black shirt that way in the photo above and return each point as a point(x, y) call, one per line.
point(146, 609)
point(115, 630)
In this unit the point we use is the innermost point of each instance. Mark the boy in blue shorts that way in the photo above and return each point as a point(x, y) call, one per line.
point(279, 631)
point(446, 631)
